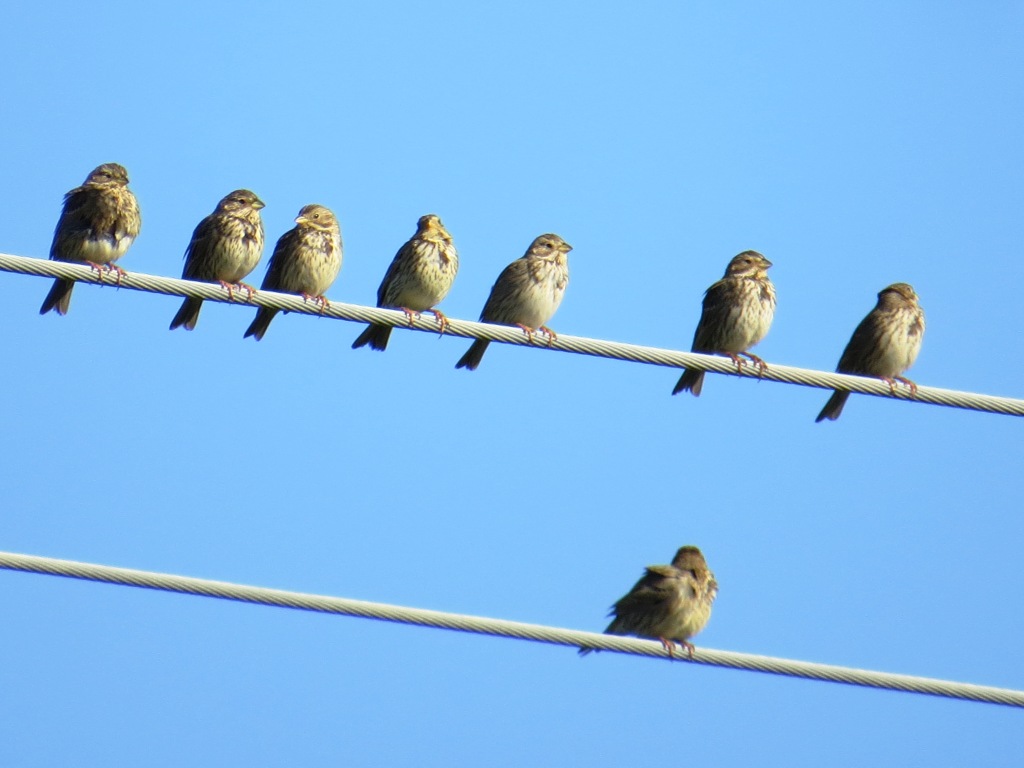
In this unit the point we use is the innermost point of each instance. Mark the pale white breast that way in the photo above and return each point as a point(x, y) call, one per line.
point(427, 281)
point(542, 297)
point(688, 613)
point(105, 249)
point(899, 350)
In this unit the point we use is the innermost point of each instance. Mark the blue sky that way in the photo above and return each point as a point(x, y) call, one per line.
point(855, 145)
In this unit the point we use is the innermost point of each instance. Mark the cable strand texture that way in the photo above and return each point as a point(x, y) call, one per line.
point(507, 335)
point(503, 628)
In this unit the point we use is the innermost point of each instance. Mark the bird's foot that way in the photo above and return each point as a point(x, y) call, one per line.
point(247, 288)
point(411, 316)
point(762, 366)
point(322, 301)
point(117, 271)
point(668, 645)
point(97, 268)
point(549, 333)
point(909, 383)
point(527, 330)
point(442, 321)
point(229, 287)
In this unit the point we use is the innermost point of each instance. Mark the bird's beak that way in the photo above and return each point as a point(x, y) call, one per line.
point(300, 219)
point(565, 247)
point(767, 264)
point(258, 204)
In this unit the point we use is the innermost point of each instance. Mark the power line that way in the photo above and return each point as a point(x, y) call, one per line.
point(509, 335)
point(514, 629)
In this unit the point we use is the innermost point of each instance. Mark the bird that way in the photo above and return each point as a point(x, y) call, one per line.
point(527, 293)
point(737, 313)
point(885, 344)
point(306, 260)
point(420, 276)
point(670, 603)
point(225, 247)
point(99, 222)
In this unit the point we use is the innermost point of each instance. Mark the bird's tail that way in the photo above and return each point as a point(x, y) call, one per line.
point(59, 297)
point(259, 325)
point(473, 355)
point(375, 335)
point(188, 315)
point(834, 406)
point(692, 380)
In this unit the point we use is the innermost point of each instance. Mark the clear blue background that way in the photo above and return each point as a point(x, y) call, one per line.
point(854, 144)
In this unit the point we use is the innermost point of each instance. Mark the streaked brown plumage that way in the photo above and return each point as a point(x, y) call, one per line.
point(99, 222)
point(420, 276)
point(670, 603)
point(527, 293)
point(225, 248)
point(737, 313)
point(306, 260)
point(885, 344)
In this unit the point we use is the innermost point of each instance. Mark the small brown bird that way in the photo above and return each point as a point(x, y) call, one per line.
point(527, 293)
point(420, 276)
point(885, 344)
point(670, 603)
point(225, 248)
point(99, 222)
point(737, 313)
point(306, 260)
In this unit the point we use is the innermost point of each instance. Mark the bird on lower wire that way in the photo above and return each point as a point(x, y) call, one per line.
point(225, 247)
point(420, 276)
point(306, 260)
point(527, 293)
point(98, 223)
point(737, 313)
point(885, 344)
point(670, 603)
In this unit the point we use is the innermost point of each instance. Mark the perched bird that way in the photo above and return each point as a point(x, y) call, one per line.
point(737, 313)
point(99, 222)
point(885, 344)
point(527, 293)
point(420, 276)
point(306, 261)
point(225, 247)
point(669, 603)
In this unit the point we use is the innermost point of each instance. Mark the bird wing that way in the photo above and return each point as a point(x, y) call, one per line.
point(718, 304)
point(865, 337)
point(74, 217)
point(404, 254)
point(199, 246)
point(656, 588)
point(503, 292)
point(282, 251)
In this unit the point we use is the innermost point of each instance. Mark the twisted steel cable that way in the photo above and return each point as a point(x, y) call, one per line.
point(509, 335)
point(502, 628)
